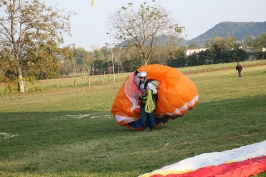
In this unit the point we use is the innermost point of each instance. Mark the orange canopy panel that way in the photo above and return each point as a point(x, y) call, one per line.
point(177, 94)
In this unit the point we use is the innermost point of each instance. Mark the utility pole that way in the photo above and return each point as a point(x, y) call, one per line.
point(110, 35)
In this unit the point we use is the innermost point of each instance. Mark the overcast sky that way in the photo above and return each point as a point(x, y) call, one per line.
point(89, 26)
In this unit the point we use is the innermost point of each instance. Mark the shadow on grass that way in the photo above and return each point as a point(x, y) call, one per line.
point(36, 130)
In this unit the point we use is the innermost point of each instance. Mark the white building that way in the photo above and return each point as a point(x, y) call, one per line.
point(190, 52)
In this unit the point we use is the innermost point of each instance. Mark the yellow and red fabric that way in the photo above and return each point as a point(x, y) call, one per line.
point(239, 162)
point(177, 95)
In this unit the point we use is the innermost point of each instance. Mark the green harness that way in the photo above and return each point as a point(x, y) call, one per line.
point(150, 102)
point(148, 99)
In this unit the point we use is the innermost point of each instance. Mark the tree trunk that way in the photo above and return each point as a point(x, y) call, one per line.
point(20, 80)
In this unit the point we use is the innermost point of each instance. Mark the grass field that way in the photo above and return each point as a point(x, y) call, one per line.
point(68, 130)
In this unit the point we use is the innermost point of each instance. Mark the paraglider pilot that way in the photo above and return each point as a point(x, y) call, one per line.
point(146, 89)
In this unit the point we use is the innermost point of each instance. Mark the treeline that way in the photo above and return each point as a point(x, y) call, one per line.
point(80, 62)
point(218, 50)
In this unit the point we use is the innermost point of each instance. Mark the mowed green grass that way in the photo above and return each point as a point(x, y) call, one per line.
point(69, 131)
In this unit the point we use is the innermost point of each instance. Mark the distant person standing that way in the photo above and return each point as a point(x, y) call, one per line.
point(239, 69)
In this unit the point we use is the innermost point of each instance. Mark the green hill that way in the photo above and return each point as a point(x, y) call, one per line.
point(240, 30)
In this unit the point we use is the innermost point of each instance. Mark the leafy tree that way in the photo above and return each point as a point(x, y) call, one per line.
point(231, 43)
point(129, 59)
point(259, 42)
point(44, 63)
point(225, 44)
point(261, 55)
point(215, 54)
point(31, 32)
point(130, 65)
point(164, 52)
point(203, 57)
point(248, 41)
point(80, 55)
point(193, 46)
point(177, 58)
point(238, 55)
point(101, 66)
point(220, 49)
point(81, 59)
point(100, 63)
point(144, 28)
point(192, 60)
point(66, 67)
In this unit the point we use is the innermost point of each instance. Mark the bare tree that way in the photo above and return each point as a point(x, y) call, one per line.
point(144, 28)
point(28, 26)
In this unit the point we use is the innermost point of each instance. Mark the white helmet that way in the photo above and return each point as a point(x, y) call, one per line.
point(142, 74)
